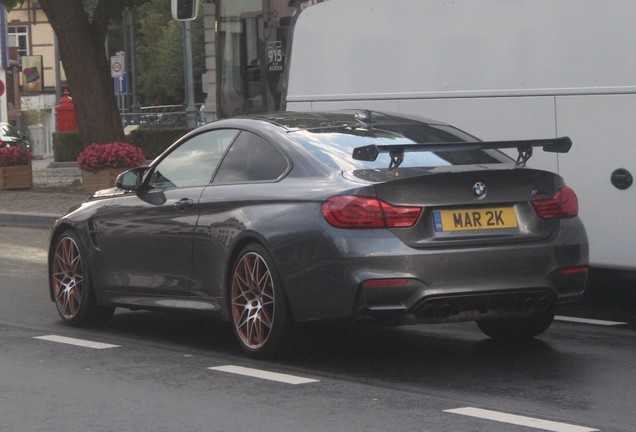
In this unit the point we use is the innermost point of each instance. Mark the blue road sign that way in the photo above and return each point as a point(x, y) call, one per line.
point(121, 84)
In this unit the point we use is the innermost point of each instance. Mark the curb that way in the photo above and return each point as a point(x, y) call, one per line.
point(60, 165)
point(30, 220)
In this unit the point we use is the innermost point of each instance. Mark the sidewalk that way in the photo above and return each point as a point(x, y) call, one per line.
point(56, 188)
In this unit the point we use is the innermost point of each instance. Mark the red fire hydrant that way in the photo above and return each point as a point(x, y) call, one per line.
point(66, 118)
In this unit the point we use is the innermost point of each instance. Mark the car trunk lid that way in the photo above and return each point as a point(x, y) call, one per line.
point(465, 205)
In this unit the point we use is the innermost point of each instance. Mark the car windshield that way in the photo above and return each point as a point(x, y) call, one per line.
point(334, 146)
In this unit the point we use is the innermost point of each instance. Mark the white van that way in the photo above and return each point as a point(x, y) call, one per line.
point(499, 69)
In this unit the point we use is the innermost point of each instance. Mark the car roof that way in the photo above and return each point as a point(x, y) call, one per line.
point(296, 121)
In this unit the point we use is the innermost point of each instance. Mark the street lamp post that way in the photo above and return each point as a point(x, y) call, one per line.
point(133, 62)
point(190, 110)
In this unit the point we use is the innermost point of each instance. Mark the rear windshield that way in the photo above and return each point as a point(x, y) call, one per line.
point(334, 146)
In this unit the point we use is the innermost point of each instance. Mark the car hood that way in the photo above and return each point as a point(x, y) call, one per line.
point(104, 193)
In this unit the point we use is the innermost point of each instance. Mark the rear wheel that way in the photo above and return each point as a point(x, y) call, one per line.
point(257, 301)
point(71, 283)
point(518, 328)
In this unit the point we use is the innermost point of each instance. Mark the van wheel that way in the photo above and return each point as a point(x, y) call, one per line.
point(257, 303)
point(518, 328)
point(71, 284)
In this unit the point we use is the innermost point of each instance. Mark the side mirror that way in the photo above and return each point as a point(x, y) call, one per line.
point(185, 10)
point(131, 179)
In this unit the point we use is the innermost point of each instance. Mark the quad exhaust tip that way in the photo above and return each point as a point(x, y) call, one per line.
point(442, 309)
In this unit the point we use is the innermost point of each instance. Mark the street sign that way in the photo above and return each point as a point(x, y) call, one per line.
point(1, 87)
point(121, 85)
point(116, 66)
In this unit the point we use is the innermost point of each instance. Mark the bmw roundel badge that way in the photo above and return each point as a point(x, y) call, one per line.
point(479, 189)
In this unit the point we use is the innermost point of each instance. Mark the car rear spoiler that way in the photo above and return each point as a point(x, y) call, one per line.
point(524, 147)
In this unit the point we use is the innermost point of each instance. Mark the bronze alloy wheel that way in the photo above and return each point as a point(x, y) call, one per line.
point(253, 303)
point(68, 278)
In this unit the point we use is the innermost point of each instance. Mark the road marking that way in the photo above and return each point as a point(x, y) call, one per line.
point(588, 321)
point(76, 342)
point(25, 253)
point(519, 420)
point(257, 373)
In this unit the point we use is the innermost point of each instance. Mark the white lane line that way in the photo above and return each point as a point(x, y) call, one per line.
point(76, 342)
point(24, 253)
point(257, 373)
point(588, 321)
point(519, 420)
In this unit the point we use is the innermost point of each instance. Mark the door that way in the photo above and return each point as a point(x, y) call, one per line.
point(145, 239)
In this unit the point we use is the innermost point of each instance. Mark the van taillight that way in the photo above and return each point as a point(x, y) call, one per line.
point(563, 204)
point(367, 212)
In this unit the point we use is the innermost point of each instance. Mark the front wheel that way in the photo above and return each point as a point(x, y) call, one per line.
point(257, 300)
point(71, 284)
point(518, 328)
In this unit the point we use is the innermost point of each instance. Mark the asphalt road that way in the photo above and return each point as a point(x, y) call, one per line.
point(168, 372)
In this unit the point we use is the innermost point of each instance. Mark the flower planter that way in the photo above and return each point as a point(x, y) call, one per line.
point(97, 161)
point(102, 179)
point(16, 177)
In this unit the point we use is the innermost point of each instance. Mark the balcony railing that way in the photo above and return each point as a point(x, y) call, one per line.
point(161, 117)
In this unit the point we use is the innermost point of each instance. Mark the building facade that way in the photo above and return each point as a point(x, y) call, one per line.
point(29, 31)
point(35, 75)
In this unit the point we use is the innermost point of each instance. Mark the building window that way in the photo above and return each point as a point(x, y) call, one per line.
point(21, 36)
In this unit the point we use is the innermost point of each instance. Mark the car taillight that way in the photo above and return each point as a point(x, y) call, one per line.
point(367, 212)
point(571, 271)
point(563, 204)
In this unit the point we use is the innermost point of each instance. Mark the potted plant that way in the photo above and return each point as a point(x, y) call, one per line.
point(101, 163)
point(15, 168)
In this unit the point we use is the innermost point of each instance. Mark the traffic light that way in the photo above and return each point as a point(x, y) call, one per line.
point(185, 10)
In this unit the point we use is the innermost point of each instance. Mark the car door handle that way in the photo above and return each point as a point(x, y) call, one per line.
point(184, 204)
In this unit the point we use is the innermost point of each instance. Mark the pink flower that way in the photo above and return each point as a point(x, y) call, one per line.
point(113, 155)
point(11, 156)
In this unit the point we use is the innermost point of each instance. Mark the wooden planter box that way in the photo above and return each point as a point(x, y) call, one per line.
point(16, 177)
point(103, 179)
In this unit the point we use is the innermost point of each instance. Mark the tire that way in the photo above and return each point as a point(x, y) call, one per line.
point(257, 301)
point(518, 328)
point(71, 284)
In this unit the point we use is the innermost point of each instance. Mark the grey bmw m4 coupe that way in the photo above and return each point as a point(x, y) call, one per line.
point(270, 220)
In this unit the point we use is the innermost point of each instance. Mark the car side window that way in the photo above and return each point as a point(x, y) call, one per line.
point(251, 159)
point(194, 161)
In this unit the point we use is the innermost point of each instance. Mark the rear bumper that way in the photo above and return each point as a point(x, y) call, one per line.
point(413, 303)
point(341, 275)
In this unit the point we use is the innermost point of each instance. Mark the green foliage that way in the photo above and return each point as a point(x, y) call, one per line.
point(154, 141)
point(10, 4)
point(160, 55)
point(66, 146)
point(34, 116)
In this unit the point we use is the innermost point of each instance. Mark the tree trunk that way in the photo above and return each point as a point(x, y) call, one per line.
point(83, 53)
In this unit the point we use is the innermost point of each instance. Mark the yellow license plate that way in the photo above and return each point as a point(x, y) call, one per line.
point(475, 219)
